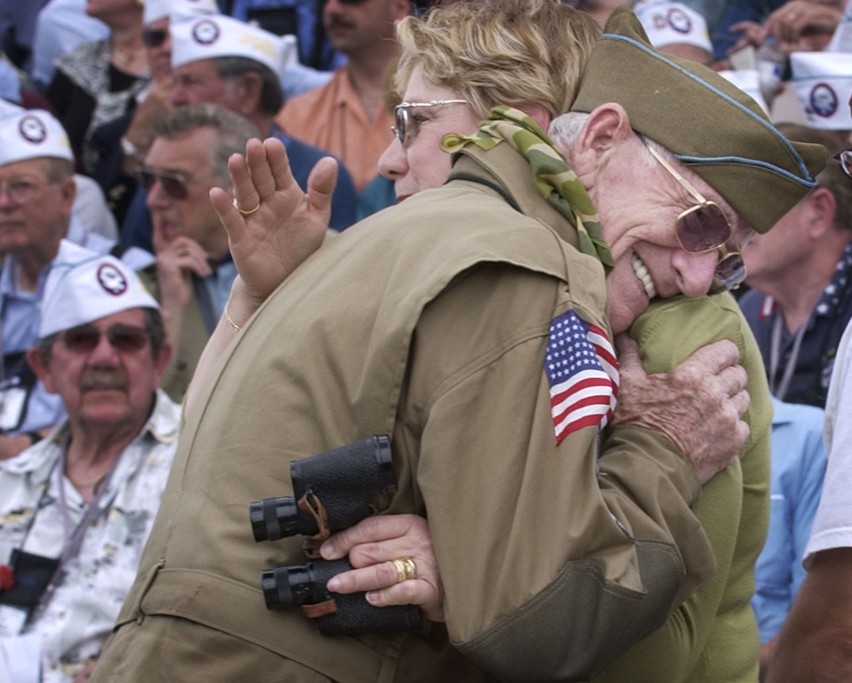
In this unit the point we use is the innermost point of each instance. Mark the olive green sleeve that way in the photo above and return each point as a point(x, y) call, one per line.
point(712, 636)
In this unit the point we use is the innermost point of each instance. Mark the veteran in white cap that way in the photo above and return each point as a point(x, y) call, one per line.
point(99, 475)
point(224, 61)
point(37, 192)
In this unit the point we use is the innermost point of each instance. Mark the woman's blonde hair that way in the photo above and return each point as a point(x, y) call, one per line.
point(493, 52)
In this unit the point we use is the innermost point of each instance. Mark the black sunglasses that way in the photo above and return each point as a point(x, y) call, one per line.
point(124, 338)
point(154, 37)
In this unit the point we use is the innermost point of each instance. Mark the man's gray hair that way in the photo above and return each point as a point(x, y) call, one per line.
point(232, 131)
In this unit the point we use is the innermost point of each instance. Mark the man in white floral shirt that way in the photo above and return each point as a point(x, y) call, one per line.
point(77, 507)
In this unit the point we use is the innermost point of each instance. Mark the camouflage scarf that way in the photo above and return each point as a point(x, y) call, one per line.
point(552, 177)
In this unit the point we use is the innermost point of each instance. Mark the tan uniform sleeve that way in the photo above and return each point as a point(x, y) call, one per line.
point(554, 561)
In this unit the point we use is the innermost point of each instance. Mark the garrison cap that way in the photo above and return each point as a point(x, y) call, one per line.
point(80, 293)
point(223, 36)
point(31, 134)
point(823, 84)
point(708, 123)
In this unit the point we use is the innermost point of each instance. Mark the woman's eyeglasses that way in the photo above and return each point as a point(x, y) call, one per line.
point(124, 338)
point(704, 227)
point(405, 125)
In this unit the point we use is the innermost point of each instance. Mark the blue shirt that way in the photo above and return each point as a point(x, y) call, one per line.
point(25, 405)
point(303, 157)
point(797, 471)
point(809, 383)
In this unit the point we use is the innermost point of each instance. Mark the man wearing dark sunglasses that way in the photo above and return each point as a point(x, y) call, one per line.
point(193, 272)
point(77, 507)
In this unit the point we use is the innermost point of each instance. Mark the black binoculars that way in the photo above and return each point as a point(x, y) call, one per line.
point(305, 586)
point(331, 492)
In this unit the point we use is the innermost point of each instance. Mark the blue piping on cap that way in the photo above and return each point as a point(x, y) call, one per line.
point(805, 179)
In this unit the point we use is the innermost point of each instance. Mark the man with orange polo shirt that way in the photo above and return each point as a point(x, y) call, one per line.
point(348, 116)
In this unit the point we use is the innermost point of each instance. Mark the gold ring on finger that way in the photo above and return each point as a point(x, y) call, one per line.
point(405, 569)
point(245, 212)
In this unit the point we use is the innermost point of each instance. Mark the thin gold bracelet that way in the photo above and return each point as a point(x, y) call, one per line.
point(231, 320)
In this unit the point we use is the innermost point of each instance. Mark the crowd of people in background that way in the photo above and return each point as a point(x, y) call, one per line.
point(125, 274)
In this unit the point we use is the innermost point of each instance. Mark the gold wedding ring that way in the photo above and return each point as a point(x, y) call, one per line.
point(405, 569)
point(245, 212)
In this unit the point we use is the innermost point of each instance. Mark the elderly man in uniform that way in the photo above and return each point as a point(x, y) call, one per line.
point(77, 507)
point(37, 192)
point(442, 340)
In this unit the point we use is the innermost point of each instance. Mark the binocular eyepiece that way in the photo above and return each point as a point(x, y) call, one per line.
point(305, 586)
point(331, 491)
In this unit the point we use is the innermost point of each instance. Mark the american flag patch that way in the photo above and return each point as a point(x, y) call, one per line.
point(582, 371)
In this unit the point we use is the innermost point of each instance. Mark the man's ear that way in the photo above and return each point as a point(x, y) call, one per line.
point(822, 206)
point(606, 126)
point(161, 362)
point(41, 367)
point(249, 88)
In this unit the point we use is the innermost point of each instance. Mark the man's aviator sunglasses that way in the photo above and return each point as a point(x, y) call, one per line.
point(154, 37)
point(704, 227)
point(405, 125)
point(173, 184)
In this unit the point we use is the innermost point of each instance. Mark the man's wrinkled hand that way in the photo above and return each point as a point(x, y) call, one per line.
point(699, 405)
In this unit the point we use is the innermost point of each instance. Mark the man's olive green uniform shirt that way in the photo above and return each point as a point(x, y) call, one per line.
point(712, 637)
point(429, 322)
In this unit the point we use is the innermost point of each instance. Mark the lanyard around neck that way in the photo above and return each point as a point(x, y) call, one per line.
point(780, 390)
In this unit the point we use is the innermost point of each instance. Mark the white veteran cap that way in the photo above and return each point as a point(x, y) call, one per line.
point(154, 10)
point(670, 23)
point(222, 36)
point(31, 134)
point(823, 84)
point(79, 293)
